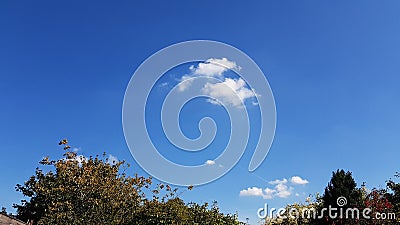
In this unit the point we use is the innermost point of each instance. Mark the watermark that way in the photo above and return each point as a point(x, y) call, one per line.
point(212, 58)
point(310, 212)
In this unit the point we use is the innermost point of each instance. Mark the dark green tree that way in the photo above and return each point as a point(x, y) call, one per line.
point(341, 185)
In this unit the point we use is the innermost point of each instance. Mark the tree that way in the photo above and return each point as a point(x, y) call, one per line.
point(81, 191)
point(342, 184)
point(341, 193)
point(378, 202)
point(297, 213)
point(394, 195)
point(92, 190)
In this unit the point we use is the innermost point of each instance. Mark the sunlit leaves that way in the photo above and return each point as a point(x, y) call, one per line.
point(80, 190)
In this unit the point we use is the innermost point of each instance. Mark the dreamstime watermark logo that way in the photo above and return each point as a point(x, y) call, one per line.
point(207, 82)
point(341, 201)
point(331, 212)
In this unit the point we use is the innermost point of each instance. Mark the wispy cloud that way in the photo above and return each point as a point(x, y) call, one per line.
point(277, 181)
point(164, 84)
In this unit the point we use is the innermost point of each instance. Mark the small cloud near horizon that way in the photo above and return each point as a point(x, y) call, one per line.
point(280, 189)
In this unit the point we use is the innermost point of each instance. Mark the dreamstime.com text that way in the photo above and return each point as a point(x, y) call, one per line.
point(331, 212)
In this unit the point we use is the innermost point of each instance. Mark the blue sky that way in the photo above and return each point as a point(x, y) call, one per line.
point(333, 67)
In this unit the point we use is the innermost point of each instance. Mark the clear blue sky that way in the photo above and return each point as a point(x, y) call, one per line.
point(333, 67)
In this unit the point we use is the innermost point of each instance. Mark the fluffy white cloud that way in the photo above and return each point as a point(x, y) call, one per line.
point(214, 67)
point(185, 83)
point(269, 193)
point(280, 189)
point(298, 180)
point(283, 191)
point(228, 91)
point(210, 162)
point(253, 191)
point(258, 192)
point(210, 68)
point(223, 91)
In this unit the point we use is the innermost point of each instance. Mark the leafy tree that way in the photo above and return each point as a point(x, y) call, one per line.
point(94, 191)
point(297, 213)
point(394, 195)
point(81, 191)
point(378, 202)
point(342, 184)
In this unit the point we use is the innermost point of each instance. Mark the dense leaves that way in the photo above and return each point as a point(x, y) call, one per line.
point(381, 202)
point(394, 194)
point(91, 190)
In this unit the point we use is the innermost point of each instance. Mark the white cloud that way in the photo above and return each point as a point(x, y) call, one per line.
point(228, 91)
point(185, 83)
point(214, 67)
point(253, 191)
point(277, 181)
point(298, 180)
point(213, 101)
point(112, 160)
point(210, 68)
point(223, 91)
point(280, 189)
point(210, 162)
point(269, 193)
point(254, 103)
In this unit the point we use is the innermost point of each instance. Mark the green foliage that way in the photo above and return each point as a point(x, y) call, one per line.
point(92, 191)
point(394, 195)
point(305, 216)
point(342, 184)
